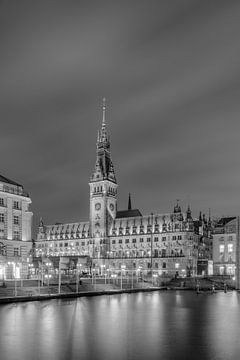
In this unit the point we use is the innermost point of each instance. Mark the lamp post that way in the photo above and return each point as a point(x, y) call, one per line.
point(48, 265)
point(77, 276)
point(153, 277)
point(123, 267)
point(15, 282)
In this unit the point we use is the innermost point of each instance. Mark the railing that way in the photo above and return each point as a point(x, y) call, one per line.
point(14, 191)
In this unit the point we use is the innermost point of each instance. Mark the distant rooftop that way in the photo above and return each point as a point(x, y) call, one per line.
point(224, 220)
point(8, 181)
point(128, 213)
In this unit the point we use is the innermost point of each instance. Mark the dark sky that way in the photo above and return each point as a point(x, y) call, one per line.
point(170, 71)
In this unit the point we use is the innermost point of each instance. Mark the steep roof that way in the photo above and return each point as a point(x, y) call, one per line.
point(8, 181)
point(223, 221)
point(128, 213)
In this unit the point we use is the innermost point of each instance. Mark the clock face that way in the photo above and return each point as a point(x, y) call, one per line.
point(97, 206)
point(111, 207)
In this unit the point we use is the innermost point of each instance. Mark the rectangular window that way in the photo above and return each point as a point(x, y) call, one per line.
point(1, 202)
point(133, 240)
point(174, 237)
point(83, 243)
point(15, 252)
point(179, 237)
point(16, 205)
point(126, 241)
point(221, 249)
point(230, 248)
point(1, 233)
point(113, 241)
point(65, 244)
point(120, 241)
point(16, 235)
point(16, 220)
point(141, 239)
point(148, 239)
point(164, 238)
point(1, 218)
point(60, 244)
point(155, 239)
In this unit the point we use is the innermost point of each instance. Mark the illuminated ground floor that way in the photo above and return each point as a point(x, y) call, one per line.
point(173, 266)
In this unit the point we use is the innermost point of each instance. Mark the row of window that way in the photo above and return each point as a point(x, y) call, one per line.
point(156, 239)
point(15, 219)
point(120, 241)
point(16, 204)
point(16, 234)
point(16, 252)
point(222, 248)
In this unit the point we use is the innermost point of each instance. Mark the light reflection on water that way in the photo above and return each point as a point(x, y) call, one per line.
point(159, 325)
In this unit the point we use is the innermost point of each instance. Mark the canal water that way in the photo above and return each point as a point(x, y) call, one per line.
point(154, 325)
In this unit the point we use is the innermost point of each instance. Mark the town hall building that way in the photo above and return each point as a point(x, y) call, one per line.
point(113, 239)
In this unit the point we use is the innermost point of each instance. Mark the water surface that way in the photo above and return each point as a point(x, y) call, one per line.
point(158, 325)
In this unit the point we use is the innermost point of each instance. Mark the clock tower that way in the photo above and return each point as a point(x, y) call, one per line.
point(103, 194)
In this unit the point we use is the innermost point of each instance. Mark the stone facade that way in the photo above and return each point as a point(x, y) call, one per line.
point(167, 243)
point(224, 246)
point(15, 229)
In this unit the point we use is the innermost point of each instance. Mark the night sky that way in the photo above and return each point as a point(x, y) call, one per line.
point(170, 71)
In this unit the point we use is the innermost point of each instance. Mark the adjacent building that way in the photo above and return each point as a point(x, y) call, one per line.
point(15, 229)
point(224, 246)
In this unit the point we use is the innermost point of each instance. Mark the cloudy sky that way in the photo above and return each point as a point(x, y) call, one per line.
point(170, 71)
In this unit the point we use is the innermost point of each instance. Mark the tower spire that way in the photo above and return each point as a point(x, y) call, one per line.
point(103, 132)
point(104, 112)
point(129, 202)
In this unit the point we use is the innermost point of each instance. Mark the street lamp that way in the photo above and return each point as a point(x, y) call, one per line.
point(123, 267)
point(48, 264)
point(154, 277)
point(79, 266)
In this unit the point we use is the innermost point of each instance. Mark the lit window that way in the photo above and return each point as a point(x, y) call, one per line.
point(230, 248)
point(177, 266)
point(221, 249)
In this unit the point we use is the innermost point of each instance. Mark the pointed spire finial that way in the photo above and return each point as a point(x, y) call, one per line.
point(104, 111)
point(129, 202)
